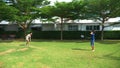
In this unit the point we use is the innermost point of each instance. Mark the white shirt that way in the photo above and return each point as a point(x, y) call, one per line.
point(28, 37)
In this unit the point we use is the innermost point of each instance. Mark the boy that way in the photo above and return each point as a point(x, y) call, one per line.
point(92, 40)
point(28, 38)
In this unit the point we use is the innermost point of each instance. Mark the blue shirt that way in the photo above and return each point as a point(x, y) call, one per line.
point(93, 36)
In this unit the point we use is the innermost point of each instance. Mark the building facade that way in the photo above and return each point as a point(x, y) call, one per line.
point(78, 27)
point(66, 27)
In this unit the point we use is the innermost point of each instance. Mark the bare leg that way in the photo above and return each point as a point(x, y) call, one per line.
point(92, 45)
point(27, 43)
point(93, 48)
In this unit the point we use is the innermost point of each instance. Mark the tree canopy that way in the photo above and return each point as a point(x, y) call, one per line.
point(102, 10)
point(27, 11)
point(23, 12)
point(7, 12)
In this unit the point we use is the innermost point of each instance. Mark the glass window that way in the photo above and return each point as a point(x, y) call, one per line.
point(72, 27)
point(92, 27)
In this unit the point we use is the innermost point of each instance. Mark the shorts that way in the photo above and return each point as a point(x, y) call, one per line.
point(92, 42)
point(27, 39)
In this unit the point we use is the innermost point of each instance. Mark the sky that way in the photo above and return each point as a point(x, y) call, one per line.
point(52, 1)
point(60, 0)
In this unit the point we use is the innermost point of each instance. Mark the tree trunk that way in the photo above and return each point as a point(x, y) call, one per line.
point(24, 32)
point(24, 27)
point(61, 28)
point(102, 31)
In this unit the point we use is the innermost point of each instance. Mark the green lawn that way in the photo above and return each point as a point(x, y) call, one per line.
point(59, 54)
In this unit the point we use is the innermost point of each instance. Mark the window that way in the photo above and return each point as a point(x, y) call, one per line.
point(72, 27)
point(88, 27)
point(93, 27)
point(7, 1)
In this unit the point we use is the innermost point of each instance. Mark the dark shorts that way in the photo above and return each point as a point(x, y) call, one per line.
point(92, 42)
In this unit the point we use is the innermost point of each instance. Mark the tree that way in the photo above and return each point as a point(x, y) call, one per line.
point(60, 9)
point(27, 12)
point(102, 10)
point(46, 13)
point(7, 12)
point(63, 10)
point(77, 9)
point(69, 11)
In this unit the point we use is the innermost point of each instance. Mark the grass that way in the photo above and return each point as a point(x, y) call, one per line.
point(59, 54)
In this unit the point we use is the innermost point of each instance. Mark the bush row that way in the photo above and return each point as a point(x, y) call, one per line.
point(66, 34)
point(75, 34)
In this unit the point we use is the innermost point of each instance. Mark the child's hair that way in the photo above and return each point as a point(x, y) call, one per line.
point(30, 32)
point(93, 31)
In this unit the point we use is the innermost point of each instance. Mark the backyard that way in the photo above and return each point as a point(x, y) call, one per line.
point(59, 54)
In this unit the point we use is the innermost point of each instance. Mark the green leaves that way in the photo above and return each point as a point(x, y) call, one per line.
point(7, 12)
point(72, 10)
point(102, 8)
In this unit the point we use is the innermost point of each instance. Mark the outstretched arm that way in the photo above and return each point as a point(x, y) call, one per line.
point(30, 39)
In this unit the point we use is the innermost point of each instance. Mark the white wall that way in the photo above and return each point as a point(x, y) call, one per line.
point(48, 27)
point(11, 28)
point(81, 26)
point(113, 27)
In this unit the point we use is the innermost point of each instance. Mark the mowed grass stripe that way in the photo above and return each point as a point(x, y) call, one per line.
point(61, 54)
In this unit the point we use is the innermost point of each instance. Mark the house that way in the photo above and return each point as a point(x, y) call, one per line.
point(71, 26)
point(9, 27)
point(9, 2)
point(82, 25)
point(79, 27)
point(66, 27)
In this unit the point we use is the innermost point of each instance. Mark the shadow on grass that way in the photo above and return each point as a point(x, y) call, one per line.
point(79, 41)
point(46, 40)
point(22, 45)
point(6, 41)
point(80, 49)
point(110, 56)
point(82, 41)
point(108, 42)
point(62, 41)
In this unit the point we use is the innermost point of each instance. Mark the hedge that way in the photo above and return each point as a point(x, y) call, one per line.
point(112, 34)
point(66, 34)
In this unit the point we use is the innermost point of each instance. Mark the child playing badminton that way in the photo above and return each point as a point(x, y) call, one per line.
point(92, 40)
point(28, 38)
